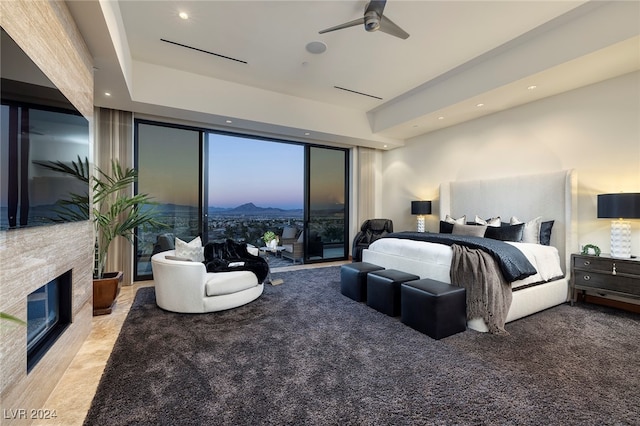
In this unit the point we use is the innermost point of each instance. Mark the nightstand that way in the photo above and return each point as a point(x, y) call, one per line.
point(605, 275)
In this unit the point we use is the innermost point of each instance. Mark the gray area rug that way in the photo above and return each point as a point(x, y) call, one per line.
point(304, 354)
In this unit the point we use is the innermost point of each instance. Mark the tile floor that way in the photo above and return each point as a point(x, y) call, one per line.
point(72, 396)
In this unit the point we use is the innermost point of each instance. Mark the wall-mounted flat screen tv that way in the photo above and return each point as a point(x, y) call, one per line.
point(39, 125)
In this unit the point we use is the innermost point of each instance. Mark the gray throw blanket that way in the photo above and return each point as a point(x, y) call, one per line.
point(488, 293)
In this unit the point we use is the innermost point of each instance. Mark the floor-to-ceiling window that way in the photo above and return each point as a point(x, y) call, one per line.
point(168, 162)
point(218, 186)
point(327, 196)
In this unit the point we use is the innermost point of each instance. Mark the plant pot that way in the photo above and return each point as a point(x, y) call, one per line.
point(105, 292)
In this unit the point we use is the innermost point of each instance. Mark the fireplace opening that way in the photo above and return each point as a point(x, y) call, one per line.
point(48, 315)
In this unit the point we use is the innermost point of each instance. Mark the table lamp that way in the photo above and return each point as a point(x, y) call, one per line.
point(620, 206)
point(421, 208)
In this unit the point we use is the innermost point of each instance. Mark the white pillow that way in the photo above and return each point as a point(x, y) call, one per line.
point(460, 221)
point(192, 250)
point(531, 231)
point(494, 221)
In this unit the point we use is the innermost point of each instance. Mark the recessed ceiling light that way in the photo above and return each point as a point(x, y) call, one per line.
point(316, 47)
point(532, 87)
point(107, 94)
point(384, 146)
point(479, 105)
point(183, 15)
point(441, 118)
point(229, 121)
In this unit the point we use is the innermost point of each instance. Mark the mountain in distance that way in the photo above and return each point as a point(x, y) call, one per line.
point(252, 209)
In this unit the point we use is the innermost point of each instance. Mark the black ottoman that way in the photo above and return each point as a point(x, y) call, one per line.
point(353, 279)
point(383, 290)
point(434, 308)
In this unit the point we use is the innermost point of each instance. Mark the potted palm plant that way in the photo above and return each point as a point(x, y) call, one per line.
point(114, 213)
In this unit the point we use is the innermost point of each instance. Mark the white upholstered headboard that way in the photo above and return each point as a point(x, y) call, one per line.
point(550, 195)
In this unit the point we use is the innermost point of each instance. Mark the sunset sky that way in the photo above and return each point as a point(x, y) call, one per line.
point(241, 170)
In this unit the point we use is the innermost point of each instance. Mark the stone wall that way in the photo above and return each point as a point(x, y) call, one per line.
point(31, 257)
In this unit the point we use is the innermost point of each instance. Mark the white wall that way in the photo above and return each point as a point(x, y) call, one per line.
point(594, 130)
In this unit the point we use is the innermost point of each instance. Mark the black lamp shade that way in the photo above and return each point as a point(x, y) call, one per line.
point(619, 206)
point(421, 207)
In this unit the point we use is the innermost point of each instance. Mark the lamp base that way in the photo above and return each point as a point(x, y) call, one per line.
point(421, 227)
point(621, 239)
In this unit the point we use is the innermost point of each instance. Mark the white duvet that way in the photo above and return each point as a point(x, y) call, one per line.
point(545, 259)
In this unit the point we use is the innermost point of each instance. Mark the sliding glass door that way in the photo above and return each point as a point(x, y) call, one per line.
point(168, 160)
point(326, 212)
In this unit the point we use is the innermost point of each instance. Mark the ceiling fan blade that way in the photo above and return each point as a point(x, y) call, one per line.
point(359, 21)
point(387, 26)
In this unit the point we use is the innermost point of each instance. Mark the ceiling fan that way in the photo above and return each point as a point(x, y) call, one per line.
point(373, 20)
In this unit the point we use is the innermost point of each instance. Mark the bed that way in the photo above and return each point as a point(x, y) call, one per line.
point(550, 196)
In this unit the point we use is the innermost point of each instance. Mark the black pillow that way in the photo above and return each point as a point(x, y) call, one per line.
point(545, 232)
point(446, 227)
point(505, 232)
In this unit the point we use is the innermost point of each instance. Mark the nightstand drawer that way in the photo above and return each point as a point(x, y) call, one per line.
point(593, 263)
point(604, 282)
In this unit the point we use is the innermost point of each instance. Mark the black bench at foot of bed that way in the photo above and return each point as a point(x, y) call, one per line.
point(383, 290)
point(434, 308)
point(353, 279)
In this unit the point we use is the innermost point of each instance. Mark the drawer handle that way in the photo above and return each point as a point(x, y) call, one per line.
point(586, 278)
point(587, 263)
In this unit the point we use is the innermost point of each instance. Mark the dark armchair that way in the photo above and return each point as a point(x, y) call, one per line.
point(371, 230)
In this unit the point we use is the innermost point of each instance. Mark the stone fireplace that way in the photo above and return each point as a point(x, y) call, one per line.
point(48, 316)
point(30, 258)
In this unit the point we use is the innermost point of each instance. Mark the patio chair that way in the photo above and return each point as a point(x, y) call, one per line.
point(294, 246)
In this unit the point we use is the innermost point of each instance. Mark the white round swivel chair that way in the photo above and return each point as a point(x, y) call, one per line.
point(187, 287)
